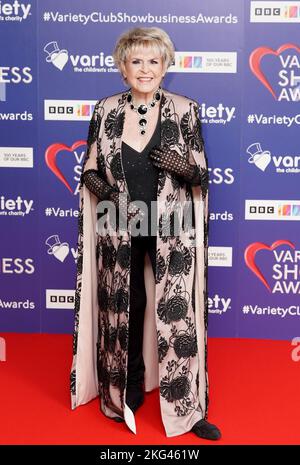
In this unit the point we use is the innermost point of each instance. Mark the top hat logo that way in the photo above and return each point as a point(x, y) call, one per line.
point(260, 158)
point(56, 248)
point(57, 57)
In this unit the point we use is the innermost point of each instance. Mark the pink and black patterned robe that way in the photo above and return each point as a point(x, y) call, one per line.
point(175, 326)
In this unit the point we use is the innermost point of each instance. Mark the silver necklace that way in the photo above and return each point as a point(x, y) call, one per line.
point(143, 109)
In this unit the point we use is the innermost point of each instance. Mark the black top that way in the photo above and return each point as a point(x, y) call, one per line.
point(141, 176)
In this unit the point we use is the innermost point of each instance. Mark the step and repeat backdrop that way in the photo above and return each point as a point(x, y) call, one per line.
point(241, 61)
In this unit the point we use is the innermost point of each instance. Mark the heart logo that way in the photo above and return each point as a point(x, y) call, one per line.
point(50, 157)
point(251, 251)
point(255, 59)
point(60, 59)
point(61, 251)
point(262, 160)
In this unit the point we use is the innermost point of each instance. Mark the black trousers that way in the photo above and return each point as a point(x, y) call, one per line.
point(139, 246)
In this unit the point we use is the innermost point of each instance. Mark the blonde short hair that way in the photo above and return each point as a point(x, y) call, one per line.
point(146, 37)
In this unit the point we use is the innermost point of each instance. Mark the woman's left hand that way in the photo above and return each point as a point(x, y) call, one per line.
point(170, 160)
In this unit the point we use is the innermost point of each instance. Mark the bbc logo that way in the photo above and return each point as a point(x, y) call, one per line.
point(262, 210)
point(267, 11)
point(61, 110)
point(60, 298)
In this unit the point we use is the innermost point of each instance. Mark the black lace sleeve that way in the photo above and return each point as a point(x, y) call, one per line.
point(192, 175)
point(196, 176)
point(191, 129)
point(103, 191)
point(170, 160)
point(97, 185)
point(90, 161)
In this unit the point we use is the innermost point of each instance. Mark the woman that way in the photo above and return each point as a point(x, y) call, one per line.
point(141, 299)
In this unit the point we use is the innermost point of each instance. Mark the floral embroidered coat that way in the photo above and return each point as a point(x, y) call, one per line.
point(175, 326)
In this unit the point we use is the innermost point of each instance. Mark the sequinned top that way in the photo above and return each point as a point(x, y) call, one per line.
point(142, 177)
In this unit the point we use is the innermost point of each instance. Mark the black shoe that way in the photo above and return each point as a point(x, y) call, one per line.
point(206, 430)
point(135, 398)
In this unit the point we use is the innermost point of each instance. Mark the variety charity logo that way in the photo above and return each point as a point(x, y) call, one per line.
point(261, 159)
point(219, 114)
point(59, 58)
point(288, 76)
point(59, 250)
point(51, 161)
point(15, 11)
point(286, 266)
point(282, 163)
point(81, 63)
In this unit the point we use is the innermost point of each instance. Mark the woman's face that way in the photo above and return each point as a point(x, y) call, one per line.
point(144, 70)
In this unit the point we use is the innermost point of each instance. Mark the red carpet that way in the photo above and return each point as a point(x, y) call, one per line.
point(254, 392)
